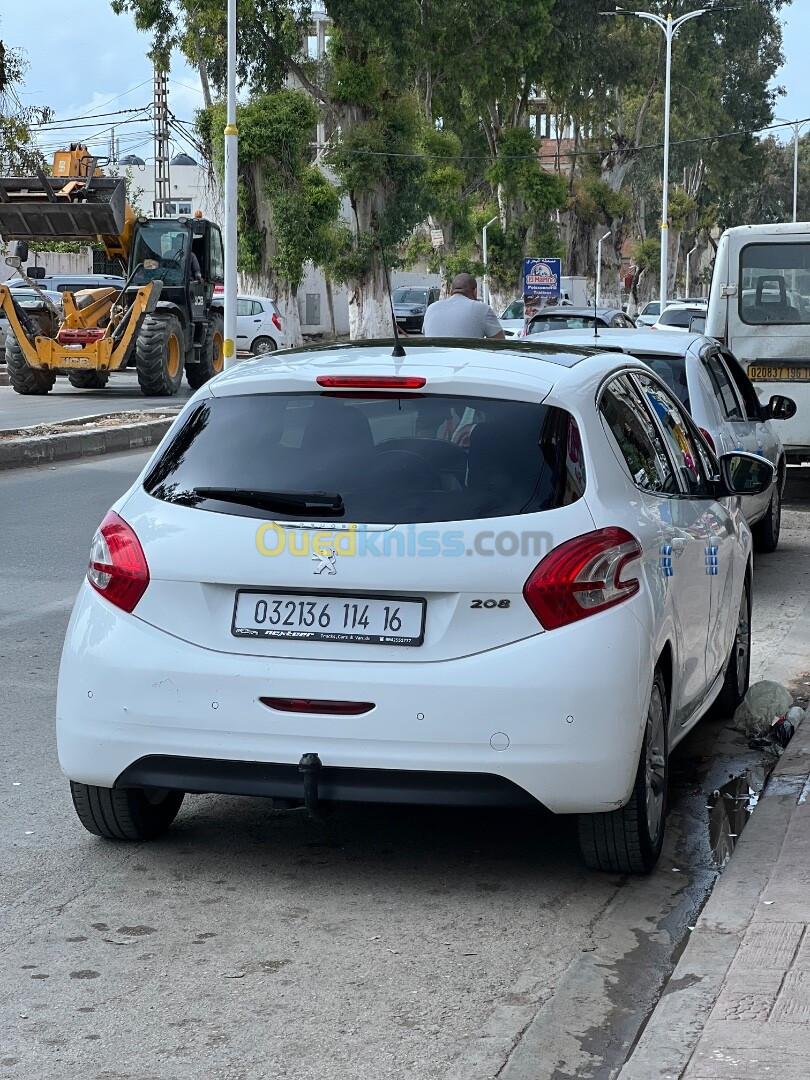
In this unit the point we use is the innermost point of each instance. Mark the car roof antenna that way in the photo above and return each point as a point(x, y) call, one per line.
point(398, 349)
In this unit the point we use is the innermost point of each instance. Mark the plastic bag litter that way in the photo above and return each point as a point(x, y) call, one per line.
point(764, 703)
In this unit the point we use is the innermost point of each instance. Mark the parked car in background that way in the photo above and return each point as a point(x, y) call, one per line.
point(346, 649)
point(679, 316)
point(513, 319)
point(29, 300)
point(648, 313)
point(72, 282)
point(709, 381)
point(552, 318)
point(410, 304)
point(258, 325)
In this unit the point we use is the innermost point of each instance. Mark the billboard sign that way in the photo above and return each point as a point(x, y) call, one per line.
point(541, 278)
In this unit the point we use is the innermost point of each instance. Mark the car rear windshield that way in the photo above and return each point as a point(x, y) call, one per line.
point(678, 316)
point(563, 322)
point(672, 370)
point(384, 459)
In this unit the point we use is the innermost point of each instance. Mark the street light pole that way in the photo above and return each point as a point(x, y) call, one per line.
point(670, 28)
point(598, 296)
point(231, 181)
point(484, 257)
point(689, 255)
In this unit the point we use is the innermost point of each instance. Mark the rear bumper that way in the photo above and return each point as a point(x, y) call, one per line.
point(559, 715)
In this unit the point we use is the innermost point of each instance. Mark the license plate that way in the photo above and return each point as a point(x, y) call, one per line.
point(779, 373)
point(364, 620)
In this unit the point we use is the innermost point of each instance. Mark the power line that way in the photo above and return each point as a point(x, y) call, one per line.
point(87, 116)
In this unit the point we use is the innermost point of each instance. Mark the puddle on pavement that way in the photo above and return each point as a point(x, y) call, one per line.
point(730, 807)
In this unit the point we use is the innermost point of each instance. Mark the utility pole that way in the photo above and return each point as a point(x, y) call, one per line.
point(231, 181)
point(670, 28)
point(160, 109)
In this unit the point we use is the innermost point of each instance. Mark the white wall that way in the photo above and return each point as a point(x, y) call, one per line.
point(55, 262)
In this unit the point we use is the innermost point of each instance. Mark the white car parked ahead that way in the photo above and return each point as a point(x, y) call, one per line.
point(484, 574)
point(258, 325)
point(710, 382)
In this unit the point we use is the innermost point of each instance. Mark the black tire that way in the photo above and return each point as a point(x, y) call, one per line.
point(25, 379)
point(766, 531)
point(738, 668)
point(89, 380)
point(263, 345)
point(629, 841)
point(211, 354)
point(159, 352)
point(125, 813)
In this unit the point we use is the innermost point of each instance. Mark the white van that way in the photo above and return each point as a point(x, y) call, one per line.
point(759, 306)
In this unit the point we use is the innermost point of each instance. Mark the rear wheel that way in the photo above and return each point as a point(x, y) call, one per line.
point(211, 354)
point(159, 353)
point(263, 345)
point(24, 378)
point(125, 813)
point(738, 670)
point(766, 532)
point(629, 841)
point(89, 380)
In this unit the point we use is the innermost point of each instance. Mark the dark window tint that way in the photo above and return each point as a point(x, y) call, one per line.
point(216, 257)
point(672, 371)
point(681, 317)
point(383, 459)
point(723, 390)
point(744, 386)
point(678, 435)
point(638, 439)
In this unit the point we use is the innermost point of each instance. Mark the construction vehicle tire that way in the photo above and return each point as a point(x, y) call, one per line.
point(159, 353)
point(89, 380)
point(24, 378)
point(211, 354)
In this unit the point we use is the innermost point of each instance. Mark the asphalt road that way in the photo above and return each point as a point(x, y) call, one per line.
point(65, 402)
point(251, 944)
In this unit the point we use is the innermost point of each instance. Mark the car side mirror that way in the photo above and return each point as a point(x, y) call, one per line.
point(745, 474)
point(781, 407)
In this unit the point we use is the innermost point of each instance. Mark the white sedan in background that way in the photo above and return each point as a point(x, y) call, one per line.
point(502, 574)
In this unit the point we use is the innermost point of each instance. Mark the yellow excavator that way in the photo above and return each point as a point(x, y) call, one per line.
point(165, 319)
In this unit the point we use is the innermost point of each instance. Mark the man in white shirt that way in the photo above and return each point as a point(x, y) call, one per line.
point(462, 314)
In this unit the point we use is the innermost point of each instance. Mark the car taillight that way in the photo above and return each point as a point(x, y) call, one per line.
point(118, 567)
point(708, 439)
point(276, 321)
point(582, 576)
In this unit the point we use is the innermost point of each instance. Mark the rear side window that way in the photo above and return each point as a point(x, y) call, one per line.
point(385, 459)
point(723, 390)
point(637, 437)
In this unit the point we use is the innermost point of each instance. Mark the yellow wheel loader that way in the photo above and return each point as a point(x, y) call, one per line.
point(164, 321)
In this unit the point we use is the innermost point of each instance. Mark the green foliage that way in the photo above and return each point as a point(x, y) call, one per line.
point(19, 154)
point(647, 254)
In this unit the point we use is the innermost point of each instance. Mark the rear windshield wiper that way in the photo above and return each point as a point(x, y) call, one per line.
point(283, 502)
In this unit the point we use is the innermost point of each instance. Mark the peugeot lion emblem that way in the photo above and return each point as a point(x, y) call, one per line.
point(326, 561)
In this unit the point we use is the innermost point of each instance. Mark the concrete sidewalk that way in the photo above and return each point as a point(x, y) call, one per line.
point(738, 1003)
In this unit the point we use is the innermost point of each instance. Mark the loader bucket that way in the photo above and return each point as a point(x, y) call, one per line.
point(37, 208)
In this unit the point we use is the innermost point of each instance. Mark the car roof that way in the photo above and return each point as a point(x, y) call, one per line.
point(484, 365)
point(646, 342)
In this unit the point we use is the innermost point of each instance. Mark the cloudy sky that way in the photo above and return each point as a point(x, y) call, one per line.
point(85, 61)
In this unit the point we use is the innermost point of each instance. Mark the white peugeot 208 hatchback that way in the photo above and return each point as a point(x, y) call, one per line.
point(480, 574)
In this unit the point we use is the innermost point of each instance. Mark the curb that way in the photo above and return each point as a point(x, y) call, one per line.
point(668, 1042)
point(31, 450)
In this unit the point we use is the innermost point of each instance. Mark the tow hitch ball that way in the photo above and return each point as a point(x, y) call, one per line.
point(310, 766)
